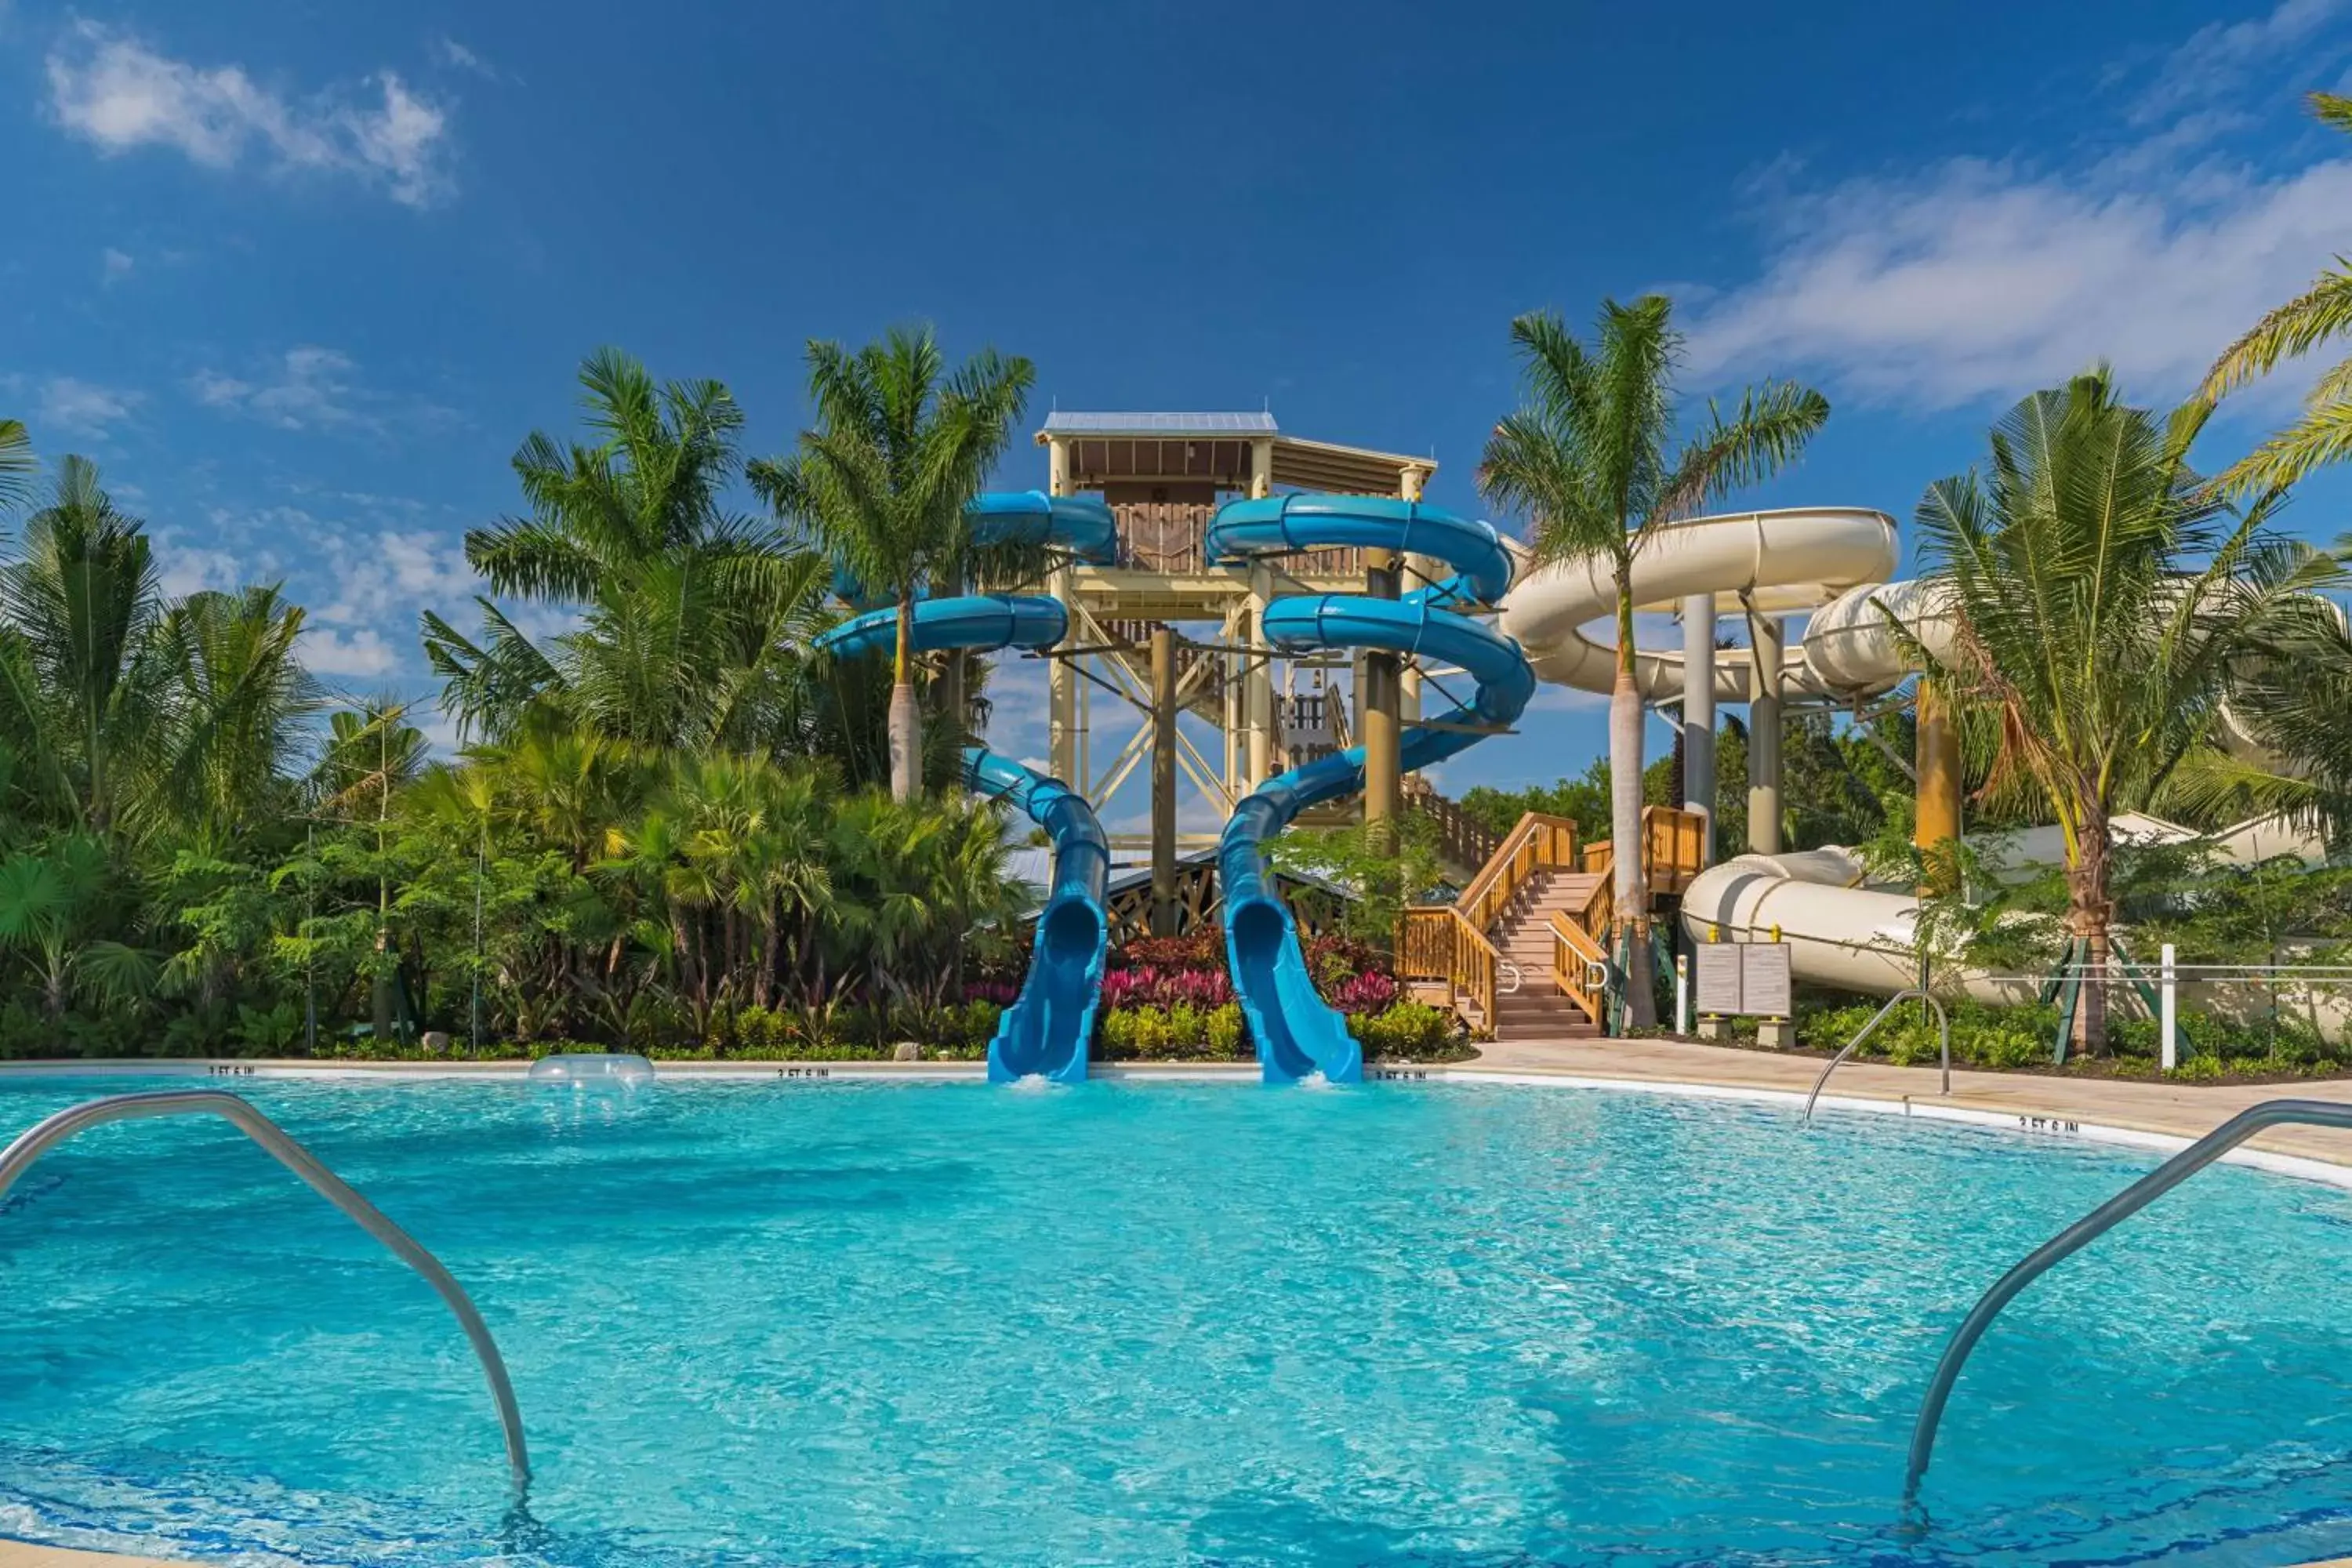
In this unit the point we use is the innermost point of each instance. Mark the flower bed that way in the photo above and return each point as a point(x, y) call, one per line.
point(1171, 999)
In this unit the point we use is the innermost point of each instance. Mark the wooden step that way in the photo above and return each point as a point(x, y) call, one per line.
point(1572, 1027)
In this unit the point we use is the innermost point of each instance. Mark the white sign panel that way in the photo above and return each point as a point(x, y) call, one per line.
point(1715, 987)
point(1764, 979)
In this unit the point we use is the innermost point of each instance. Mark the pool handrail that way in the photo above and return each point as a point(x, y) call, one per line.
point(274, 1140)
point(2114, 1212)
point(1943, 1027)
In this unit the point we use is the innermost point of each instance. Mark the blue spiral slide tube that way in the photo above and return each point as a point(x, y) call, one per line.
point(1046, 1031)
point(1298, 1035)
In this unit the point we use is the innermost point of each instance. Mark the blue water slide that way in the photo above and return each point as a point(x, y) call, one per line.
point(1297, 1034)
point(1081, 525)
point(1046, 1031)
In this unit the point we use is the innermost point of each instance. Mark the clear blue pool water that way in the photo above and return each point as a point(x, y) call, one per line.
point(1437, 1324)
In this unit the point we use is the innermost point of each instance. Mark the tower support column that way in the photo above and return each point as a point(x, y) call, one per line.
point(1163, 781)
point(1383, 780)
point(1698, 713)
point(1064, 750)
point(1257, 685)
point(1767, 637)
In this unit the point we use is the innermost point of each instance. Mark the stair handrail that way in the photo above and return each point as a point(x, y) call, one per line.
point(1943, 1028)
point(1538, 841)
point(1673, 845)
point(1586, 983)
point(1435, 941)
point(274, 1140)
point(1469, 840)
point(2075, 1237)
point(1674, 848)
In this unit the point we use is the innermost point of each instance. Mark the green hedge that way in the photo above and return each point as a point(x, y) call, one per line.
point(2012, 1037)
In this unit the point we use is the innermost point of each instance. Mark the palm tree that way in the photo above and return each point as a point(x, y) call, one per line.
point(1592, 457)
point(78, 679)
point(16, 465)
point(652, 485)
point(234, 698)
point(371, 754)
point(2321, 314)
point(2103, 602)
point(51, 903)
point(691, 612)
point(881, 481)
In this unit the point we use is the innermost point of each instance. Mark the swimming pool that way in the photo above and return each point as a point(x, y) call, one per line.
point(1153, 1322)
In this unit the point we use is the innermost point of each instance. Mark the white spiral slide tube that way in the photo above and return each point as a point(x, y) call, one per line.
point(1832, 563)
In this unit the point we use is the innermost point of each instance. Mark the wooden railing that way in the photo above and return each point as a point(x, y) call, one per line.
point(1462, 838)
point(1579, 967)
point(1172, 537)
point(1435, 943)
point(1448, 942)
point(1674, 844)
point(1541, 842)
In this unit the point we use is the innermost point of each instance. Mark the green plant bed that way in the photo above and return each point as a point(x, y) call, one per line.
point(1403, 1031)
point(2213, 1049)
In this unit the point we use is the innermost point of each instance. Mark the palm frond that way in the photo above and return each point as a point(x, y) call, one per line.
point(2319, 314)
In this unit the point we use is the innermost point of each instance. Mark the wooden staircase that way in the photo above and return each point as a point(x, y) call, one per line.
point(1539, 1008)
point(1539, 911)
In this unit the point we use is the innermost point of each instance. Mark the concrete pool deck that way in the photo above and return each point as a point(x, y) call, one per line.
point(2171, 1111)
point(2161, 1111)
point(23, 1554)
point(2033, 1102)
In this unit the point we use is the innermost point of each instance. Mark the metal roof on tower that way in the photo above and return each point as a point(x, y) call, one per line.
point(1112, 448)
point(1164, 425)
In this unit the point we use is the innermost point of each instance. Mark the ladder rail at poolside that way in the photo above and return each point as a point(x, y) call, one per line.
point(280, 1145)
point(2081, 1233)
point(1943, 1027)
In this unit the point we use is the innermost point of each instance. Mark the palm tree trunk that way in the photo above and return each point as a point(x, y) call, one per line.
point(2089, 916)
point(954, 692)
point(905, 716)
point(1632, 887)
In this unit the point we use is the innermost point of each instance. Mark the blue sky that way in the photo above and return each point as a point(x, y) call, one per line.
point(301, 276)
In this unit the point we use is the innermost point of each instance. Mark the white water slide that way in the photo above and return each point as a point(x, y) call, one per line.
point(1835, 564)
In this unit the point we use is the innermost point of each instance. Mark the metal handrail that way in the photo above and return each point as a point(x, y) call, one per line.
point(246, 1117)
point(1943, 1027)
point(2114, 1212)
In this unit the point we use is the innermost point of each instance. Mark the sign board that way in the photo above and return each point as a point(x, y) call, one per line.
point(1715, 988)
point(1764, 979)
point(1750, 977)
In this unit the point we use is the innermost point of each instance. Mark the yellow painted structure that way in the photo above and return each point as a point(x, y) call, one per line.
point(1164, 475)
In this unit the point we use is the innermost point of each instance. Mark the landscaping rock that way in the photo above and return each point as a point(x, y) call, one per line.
point(436, 1042)
point(906, 1051)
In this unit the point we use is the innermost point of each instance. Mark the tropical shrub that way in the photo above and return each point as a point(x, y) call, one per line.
point(1406, 1031)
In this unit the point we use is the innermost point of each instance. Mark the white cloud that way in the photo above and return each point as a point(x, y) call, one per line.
point(427, 566)
point(1976, 280)
point(2219, 55)
point(191, 568)
point(310, 387)
point(83, 407)
point(1980, 281)
point(363, 653)
point(454, 53)
point(114, 265)
point(112, 91)
point(376, 578)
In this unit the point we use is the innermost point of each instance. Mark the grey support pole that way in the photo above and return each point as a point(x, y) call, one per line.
point(1768, 636)
point(1698, 711)
point(1163, 781)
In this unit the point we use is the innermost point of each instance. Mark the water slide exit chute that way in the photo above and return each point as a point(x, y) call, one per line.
point(1298, 1035)
point(1046, 1031)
